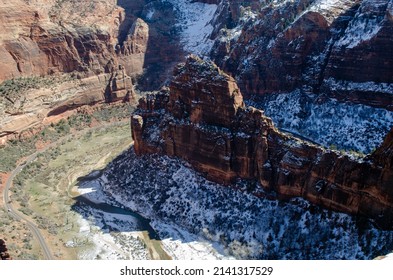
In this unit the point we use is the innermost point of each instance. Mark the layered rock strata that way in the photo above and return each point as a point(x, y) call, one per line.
point(202, 119)
point(336, 48)
point(103, 46)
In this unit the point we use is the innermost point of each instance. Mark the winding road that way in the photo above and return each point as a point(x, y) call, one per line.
point(8, 184)
point(15, 214)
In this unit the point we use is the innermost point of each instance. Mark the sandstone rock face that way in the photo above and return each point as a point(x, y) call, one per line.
point(203, 120)
point(44, 37)
point(336, 48)
point(103, 45)
point(133, 50)
point(4, 255)
point(36, 105)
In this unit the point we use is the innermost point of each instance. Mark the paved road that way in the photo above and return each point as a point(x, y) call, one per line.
point(6, 198)
point(11, 210)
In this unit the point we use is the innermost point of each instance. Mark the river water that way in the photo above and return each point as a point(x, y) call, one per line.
point(143, 224)
point(93, 204)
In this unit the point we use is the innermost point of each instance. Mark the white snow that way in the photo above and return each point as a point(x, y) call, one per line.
point(365, 86)
point(92, 190)
point(366, 24)
point(126, 243)
point(182, 245)
point(150, 14)
point(388, 257)
point(326, 4)
point(194, 22)
point(359, 31)
point(203, 216)
point(342, 126)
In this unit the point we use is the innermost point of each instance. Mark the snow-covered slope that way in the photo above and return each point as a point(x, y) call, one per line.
point(363, 28)
point(194, 22)
point(168, 192)
point(342, 126)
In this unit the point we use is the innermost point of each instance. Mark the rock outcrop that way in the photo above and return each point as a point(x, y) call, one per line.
point(203, 120)
point(339, 49)
point(45, 37)
point(104, 46)
point(4, 255)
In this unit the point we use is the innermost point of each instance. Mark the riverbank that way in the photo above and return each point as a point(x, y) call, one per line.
point(175, 243)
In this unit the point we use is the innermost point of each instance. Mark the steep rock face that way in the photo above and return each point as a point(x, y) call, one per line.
point(105, 44)
point(360, 66)
point(338, 48)
point(37, 39)
point(163, 50)
point(384, 155)
point(134, 47)
point(241, 142)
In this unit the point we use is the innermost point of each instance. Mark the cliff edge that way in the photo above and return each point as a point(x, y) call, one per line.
point(202, 119)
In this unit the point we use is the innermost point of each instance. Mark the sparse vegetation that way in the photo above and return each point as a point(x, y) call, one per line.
point(16, 150)
point(14, 89)
point(40, 190)
point(19, 239)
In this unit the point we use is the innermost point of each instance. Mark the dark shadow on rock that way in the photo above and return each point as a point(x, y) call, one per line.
point(163, 49)
point(133, 9)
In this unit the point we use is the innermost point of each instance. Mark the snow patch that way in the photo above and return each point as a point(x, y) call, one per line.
point(330, 123)
point(388, 257)
point(370, 86)
point(150, 14)
point(195, 25)
point(117, 236)
point(358, 32)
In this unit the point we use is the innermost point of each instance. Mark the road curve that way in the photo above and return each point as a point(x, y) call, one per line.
point(6, 198)
point(15, 214)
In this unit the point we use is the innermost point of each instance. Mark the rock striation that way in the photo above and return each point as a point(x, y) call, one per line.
point(86, 53)
point(202, 119)
point(44, 37)
point(340, 49)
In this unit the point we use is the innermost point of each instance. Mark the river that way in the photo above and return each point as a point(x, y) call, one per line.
point(140, 224)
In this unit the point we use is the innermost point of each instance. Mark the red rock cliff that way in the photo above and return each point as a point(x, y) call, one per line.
point(341, 49)
point(203, 120)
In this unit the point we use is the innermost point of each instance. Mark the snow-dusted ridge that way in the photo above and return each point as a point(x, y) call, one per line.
point(359, 31)
point(330, 123)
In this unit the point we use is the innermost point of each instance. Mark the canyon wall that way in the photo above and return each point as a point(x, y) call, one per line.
point(44, 37)
point(202, 119)
point(338, 49)
point(57, 56)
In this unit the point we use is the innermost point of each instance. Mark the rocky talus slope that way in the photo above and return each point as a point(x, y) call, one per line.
point(203, 120)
